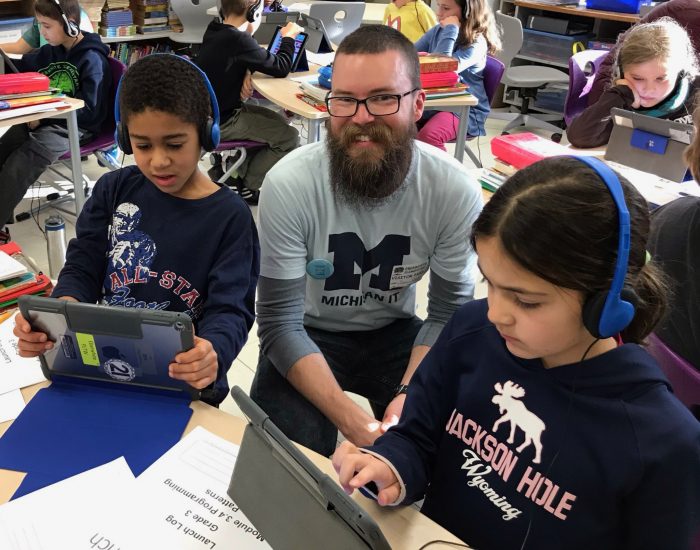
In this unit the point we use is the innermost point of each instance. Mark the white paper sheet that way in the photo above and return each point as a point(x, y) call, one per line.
point(15, 372)
point(188, 506)
point(74, 514)
point(320, 58)
point(11, 404)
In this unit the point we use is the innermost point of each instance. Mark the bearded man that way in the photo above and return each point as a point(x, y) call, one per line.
point(347, 229)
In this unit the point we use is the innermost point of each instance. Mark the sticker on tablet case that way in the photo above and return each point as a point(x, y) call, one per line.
point(88, 349)
point(120, 370)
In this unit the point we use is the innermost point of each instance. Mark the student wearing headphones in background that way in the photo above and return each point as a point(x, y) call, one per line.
point(655, 74)
point(467, 32)
point(227, 52)
point(412, 18)
point(32, 39)
point(161, 234)
point(537, 420)
point(76, 63)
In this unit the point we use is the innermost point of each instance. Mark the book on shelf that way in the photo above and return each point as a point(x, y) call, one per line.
point(436, 63)
point(114, 32)
point(151, 21)
point(521, 150)
point(145, 29)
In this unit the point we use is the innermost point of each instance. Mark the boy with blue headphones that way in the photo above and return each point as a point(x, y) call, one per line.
point(227, 54)
point(76, 63)
point(537, 420)
point(161, 234)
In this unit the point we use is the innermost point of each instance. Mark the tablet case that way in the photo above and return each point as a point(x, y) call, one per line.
point(270, 22)
point(649, 144)
point(299, 63)
point(305, 508)
point(87, 417)
point(318, 41)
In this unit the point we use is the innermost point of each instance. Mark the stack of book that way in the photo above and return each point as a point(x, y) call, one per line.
point(312, 92)
point(17, 277)
point(116, 19)
point(438, 76)
point(513, 152)
point(150, 16)
point(26, 93)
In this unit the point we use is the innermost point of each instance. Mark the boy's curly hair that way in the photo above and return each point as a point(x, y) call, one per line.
point(166, 83)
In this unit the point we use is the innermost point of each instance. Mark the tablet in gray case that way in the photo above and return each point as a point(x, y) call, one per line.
point(128, 346)
point(670, 164)
point(288, 498)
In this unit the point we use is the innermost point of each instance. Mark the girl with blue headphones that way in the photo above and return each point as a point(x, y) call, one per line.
point(655, 74)
point(161, 234)
point(466, 31)
point(538, 420)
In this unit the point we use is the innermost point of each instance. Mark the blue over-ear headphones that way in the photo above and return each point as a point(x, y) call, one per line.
point(209, 134)
point(606, 314)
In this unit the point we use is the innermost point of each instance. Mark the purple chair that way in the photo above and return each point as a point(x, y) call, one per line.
point(684, 377)
point(493, 72)
point(237, 150)
point(100, 146)
point(582, 69)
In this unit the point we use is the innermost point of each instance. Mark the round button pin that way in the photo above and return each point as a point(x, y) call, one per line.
point(319, 268)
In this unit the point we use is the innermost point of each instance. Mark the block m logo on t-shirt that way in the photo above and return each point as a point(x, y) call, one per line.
point(349, 251)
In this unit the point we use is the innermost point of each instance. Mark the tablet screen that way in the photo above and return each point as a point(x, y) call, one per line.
point(276, 42)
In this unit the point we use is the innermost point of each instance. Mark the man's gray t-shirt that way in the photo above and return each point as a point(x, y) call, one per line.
point(377, 254)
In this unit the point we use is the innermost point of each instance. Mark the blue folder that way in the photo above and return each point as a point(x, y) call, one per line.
point(71, 427)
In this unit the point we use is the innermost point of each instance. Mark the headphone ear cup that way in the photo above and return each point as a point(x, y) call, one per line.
point(210, 136)
point(121, 135)
point(252, 13)
point(72, 29)
point(591, 312)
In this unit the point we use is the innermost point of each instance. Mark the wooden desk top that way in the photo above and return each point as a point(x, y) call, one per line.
point(581, 12)
point(403, 527)
point(282, 92)
point(75, 104)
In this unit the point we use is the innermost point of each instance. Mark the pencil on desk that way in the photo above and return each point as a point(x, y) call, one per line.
point(5, 315)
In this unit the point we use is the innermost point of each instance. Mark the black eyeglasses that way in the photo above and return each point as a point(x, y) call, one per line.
point(376, 105)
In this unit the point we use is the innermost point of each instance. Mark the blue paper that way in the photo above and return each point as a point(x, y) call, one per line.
point(70, 427)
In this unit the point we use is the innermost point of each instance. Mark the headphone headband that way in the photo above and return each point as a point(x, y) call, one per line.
point(209, 135)
point(606, 314)
point(71, 28)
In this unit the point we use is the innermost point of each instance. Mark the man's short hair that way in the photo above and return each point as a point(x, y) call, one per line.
point(166, 83)
point(234, 7)
point(374, 39)
point(48, 8)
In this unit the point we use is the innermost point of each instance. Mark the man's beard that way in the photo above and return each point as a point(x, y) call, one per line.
point(368, 179)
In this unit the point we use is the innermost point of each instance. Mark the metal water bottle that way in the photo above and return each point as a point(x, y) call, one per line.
point(55, 229)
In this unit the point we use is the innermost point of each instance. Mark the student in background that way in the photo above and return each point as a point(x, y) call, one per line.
point(685, 12)
point(674, 243)
point(655, 74)
point(467, 32)
point(32, 39)
point(272, 6)
point(531, 423)
point(226, 54)
point(412, 18)
point(76, 63)
point(162, 235)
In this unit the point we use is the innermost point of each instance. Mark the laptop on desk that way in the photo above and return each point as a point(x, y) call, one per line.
point(288, 498)
point(649, 144)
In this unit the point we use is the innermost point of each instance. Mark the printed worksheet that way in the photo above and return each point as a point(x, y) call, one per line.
point(75, 514)
point(187, 502)
point(15, 372)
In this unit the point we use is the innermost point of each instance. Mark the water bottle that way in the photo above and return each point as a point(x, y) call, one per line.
point(55, 229)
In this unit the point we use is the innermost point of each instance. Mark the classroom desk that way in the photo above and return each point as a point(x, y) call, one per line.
point(580, 12)
point(403, 527)
point(70, 115)
point(282, 92)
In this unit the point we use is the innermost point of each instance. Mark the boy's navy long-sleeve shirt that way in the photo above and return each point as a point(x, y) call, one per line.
point(82, 72)
point(227, 53)
point(597, 454)
point(136, 246)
